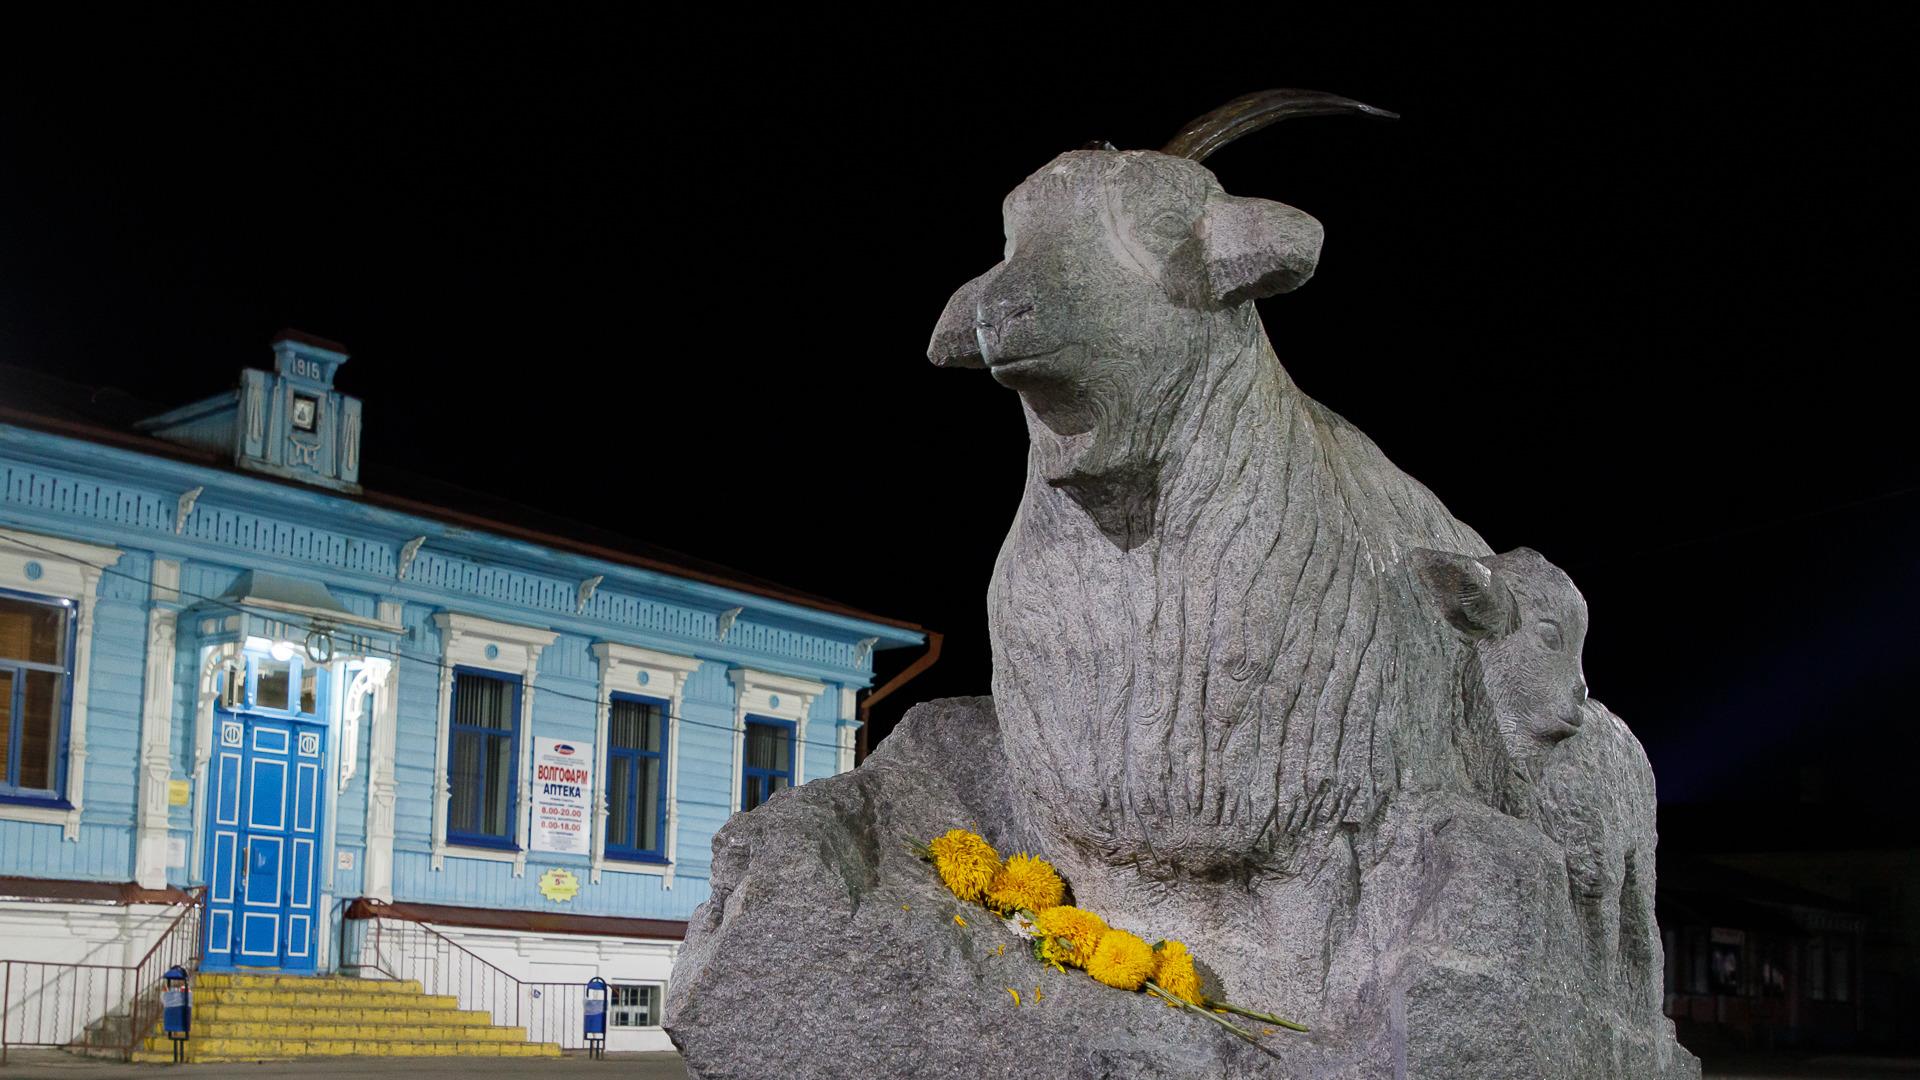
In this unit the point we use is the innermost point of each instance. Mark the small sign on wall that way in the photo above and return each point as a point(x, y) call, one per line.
point(179, 792)
point(559, 885)
point(176, 852)
point(562, 787)
point(343, 860)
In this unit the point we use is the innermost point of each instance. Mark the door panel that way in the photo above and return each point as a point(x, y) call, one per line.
point(267, 794)
point(265, 867)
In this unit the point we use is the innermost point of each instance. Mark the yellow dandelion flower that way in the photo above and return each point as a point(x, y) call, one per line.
point(1174, 973)
point(959, 920)
point(1025, 883)
point(1068, 934)
point(1121, 960)
point(966, 863)
point(1016, 996)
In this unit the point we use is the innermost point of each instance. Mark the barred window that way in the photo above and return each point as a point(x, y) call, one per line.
point(631, 1006)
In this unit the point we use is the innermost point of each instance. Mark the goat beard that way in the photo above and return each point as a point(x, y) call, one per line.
point(1113, 471)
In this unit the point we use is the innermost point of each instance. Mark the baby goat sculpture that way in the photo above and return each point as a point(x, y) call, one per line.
point(1592, 794)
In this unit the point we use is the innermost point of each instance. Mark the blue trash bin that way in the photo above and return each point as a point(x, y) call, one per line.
point(594, 1017)
point(176, 1010)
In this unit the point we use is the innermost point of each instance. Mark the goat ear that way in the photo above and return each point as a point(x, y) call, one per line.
point(956, 343)
point(1467, 593)
point(1256, 247)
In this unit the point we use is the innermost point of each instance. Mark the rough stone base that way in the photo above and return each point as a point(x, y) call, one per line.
point(829, 950)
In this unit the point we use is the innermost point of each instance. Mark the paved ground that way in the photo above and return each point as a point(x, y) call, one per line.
point(1812, 1068)
point(55, 1065)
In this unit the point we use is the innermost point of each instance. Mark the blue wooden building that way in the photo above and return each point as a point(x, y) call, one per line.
point(231, 676)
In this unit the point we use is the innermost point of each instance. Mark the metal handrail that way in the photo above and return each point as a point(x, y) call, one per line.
point(169, 940)
point(72, 1005)
point(386, 911)
point(547, 1010)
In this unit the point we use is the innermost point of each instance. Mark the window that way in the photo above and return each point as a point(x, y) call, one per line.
point(485, 729)
point(260, 680)
point(309, 702)
point(233, 683)
point(633, 1006)
point(36, 672)
point(271, 680)
point(636, 779)
point(1697, 966)
point(769, 767)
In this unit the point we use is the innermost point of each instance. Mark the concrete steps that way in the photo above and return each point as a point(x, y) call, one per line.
point(272, 1017)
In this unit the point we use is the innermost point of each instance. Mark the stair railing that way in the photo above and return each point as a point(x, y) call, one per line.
point(95, 1008)
point(378, 939)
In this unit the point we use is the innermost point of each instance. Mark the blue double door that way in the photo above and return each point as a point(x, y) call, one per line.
point(263, 843)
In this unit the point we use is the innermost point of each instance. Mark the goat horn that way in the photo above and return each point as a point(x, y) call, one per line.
point(1251, 112)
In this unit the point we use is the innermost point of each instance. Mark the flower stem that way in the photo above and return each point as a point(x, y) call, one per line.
point(1173, 999)
point(1268, 1017)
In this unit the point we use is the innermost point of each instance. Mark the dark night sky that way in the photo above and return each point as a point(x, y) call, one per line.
point(1637, 297)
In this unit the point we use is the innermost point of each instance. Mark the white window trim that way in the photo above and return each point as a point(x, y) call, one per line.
point(464, 641)
point(754, 692)
point(376, 873)
point(69, 570)
point(621, 667)
point(849, 727)
point(152, 829)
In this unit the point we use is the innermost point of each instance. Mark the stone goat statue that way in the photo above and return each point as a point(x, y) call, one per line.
point(1209, 648)
point(1254, 689)
point(1217, 656)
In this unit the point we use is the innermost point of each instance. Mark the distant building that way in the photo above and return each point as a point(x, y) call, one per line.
point(1755, 963)
point(224, 664)
point(1790, 924)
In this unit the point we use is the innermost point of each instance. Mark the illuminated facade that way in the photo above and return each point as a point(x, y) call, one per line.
point(225, 665)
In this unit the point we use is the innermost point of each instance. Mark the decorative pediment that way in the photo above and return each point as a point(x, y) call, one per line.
point(289, 422)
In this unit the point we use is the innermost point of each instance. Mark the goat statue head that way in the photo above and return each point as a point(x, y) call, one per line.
point(1122, 270)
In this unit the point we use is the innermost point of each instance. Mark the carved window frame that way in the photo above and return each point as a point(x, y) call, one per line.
point(58, 569)
point(469, 641)
point(632, 670)
point(779, 697)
